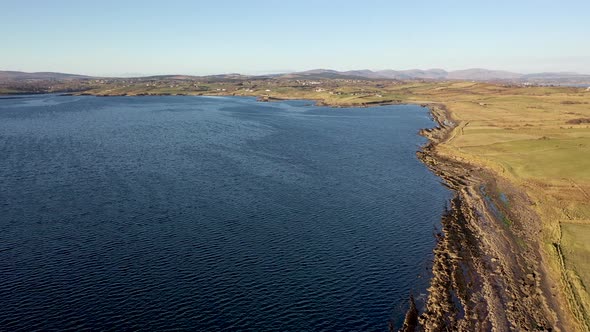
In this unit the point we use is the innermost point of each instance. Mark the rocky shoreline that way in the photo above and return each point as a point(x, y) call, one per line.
point(488, 270)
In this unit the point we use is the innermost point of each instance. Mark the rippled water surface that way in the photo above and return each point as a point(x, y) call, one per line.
point(211, 214)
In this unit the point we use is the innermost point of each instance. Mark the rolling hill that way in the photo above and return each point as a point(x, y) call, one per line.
point(19, 75)
point(473, 74)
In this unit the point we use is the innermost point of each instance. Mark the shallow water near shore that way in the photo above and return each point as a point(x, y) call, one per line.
point(212, 213)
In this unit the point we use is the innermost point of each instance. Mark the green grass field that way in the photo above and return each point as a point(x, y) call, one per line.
point(538, 138)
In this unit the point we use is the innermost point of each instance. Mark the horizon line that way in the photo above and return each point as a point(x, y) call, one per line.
point(285, 72)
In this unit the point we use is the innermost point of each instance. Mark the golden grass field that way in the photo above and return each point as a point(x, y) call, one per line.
point(539, 139)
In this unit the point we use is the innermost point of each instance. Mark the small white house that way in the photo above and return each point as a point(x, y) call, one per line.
point(588, 89)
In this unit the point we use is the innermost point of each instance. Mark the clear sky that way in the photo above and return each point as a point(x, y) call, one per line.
point(260, 36)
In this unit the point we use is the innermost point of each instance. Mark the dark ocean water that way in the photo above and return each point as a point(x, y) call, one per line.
point(209, 214)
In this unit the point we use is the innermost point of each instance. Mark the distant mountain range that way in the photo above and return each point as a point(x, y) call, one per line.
point(19, 75)
point(475, 74)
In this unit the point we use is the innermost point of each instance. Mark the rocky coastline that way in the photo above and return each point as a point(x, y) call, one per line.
point(488, 272)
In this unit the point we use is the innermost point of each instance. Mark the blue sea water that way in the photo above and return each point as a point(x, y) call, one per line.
point(211, 213)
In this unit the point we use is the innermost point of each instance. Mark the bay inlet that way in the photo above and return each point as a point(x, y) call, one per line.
point(212, 213)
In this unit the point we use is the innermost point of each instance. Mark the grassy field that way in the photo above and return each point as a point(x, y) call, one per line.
point(538, 138)
point(5, 91)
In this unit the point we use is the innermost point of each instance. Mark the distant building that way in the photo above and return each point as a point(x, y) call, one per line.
point(588, 89)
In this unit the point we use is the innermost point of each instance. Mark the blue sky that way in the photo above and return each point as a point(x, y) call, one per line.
point(260, 36)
